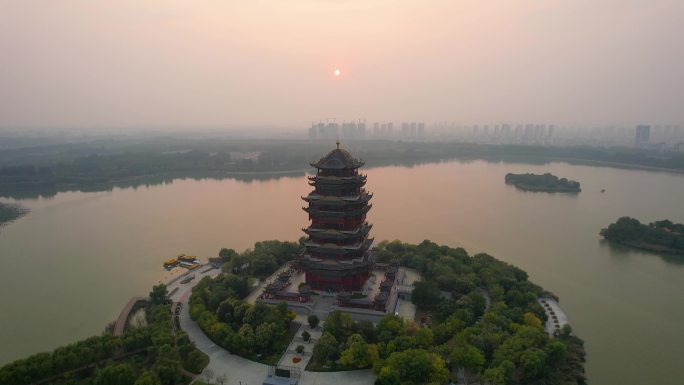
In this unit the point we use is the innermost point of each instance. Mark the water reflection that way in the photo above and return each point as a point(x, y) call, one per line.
point(619, 251)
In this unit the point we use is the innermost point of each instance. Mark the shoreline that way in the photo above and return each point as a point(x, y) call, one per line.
point(58, 187)
point(645, 247)
point(541, 189)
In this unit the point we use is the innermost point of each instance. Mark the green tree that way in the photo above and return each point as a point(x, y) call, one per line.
point(158, 294)
point(389, 327)
point(367, 330)
point(533, 360)
point(424, 338)
point(168, 365)
point(416, 366)
point(426, 294)
point(147, 378)
point(530, 319)
point(467, 357)
point(358, 354)
point(339, 325)
point(263, 265)
point(121, 374)
point(196, 361)
point(246, 334)
point(264, 336)
point(325, 350)
point(313, 321)
point(388, 376)
point(226, 254)
point(224, 313)
point(495, 376)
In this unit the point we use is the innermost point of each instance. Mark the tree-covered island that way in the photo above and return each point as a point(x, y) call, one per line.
point(542, 182)
point(660, 236)
point(478, 320)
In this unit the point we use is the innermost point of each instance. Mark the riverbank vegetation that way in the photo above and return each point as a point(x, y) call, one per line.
point(156, 354)
point(259, 332)
point(542, 182)
point(10, 212)
point(99, 165)
point(503, 343)
point(660, 236)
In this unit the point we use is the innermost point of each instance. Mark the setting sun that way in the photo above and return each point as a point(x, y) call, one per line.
point(337, 72)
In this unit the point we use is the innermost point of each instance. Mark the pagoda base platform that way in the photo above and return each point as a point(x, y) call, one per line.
point(322, 302)
point(335, 284)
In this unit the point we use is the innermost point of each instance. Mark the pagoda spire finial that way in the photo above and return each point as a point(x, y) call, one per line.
point(338, 143)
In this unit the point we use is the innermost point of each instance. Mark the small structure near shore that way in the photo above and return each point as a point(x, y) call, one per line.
point(186, 261)
point(557, 318)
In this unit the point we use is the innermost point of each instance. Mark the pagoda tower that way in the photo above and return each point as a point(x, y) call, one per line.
point(336, 256)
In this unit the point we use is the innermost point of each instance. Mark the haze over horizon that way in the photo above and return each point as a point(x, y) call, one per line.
point(209, 63)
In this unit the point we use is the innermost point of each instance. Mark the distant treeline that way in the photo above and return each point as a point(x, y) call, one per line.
point(659, 236)
point(544, 182)
point(100, 165)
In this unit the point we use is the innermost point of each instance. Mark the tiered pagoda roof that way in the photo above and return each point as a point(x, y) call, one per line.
point(332, 200)
point(333, 235)
point(338, 159)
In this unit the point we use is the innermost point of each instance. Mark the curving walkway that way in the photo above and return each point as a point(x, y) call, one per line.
point(120, 324)
point(241, 371)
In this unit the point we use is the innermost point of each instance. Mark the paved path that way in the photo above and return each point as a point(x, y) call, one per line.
point(236, 369)
point(291, 352)
point(552, 308)
point(120, 324)
point(241, 371)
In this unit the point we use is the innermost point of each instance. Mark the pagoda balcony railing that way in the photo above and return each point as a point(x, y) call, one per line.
point(338, 222)
point(337, 180)
point(333, 200)
point(339, 236)
point(322, 264)
point(332, 183)
point(352, 230)
point(343, 208)
point(335, 246)
point(337, 214)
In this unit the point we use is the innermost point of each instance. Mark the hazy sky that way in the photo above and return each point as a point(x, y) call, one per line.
point(216, 63)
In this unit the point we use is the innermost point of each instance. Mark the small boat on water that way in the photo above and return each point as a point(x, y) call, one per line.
point(187, 261)
point(189, 265)
point(187, 258)
point(170, 263)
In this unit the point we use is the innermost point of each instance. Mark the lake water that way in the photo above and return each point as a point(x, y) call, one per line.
point(71, 265)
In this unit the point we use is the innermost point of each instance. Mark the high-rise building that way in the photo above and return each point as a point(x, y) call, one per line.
point(405, 130)
point(312, 131)
point(643, 134)
point(336, 256)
